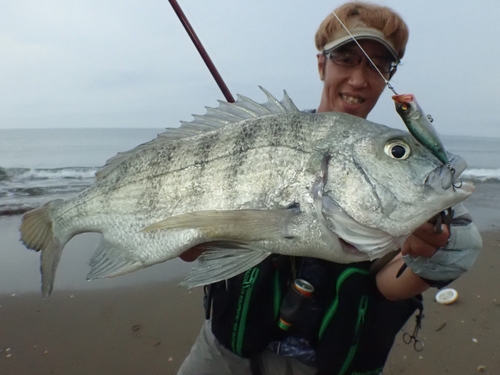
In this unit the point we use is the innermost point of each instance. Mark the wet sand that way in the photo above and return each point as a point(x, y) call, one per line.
point(463, 337)
point(143, 324)
point(133, 330)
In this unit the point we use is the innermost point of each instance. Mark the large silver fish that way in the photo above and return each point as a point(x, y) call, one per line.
point(250, 179)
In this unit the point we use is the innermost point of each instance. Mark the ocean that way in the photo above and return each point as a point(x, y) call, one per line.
point(38, 165)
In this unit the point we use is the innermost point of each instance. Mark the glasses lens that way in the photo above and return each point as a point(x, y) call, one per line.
point(384, 65)
point(351, 59)
point(344, 58)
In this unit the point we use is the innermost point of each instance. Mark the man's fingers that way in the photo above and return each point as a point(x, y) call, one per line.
point(416, 246)
point(428, 234)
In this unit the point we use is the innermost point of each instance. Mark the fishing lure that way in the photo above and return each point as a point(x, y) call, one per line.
point(420, 125)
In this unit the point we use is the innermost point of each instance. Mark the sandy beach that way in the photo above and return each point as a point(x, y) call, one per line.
point(144, 324)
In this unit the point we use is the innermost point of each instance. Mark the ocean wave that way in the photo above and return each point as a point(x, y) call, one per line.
point(50, 173)
point(16, 209)
point(481, 175)
point(3, 174)
point(22, 189)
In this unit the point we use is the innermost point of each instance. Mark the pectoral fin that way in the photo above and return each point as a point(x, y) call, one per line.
point(237, 225)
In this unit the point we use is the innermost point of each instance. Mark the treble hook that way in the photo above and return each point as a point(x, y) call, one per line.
point(452, 171)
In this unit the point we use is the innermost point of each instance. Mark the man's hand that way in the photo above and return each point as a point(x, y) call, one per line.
point(425, 241)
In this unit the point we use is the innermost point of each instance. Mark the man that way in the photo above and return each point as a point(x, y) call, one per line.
point(350, 324)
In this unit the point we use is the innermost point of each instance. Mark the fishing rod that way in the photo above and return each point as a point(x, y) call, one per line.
point(201, 50)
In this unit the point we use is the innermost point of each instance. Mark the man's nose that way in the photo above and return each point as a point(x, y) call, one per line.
point(359, 75)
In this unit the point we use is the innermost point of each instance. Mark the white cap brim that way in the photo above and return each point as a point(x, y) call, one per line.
point(360, 33)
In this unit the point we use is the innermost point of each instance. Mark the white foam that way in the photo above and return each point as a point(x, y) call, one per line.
point(481, 174)
point(59, 173)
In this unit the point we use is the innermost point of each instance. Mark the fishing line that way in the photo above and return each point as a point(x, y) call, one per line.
point(368, 57)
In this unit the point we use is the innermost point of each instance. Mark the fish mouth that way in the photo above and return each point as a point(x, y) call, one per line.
point(448, 175)
point(466, 187)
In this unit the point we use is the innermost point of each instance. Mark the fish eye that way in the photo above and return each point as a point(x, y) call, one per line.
point(398, 150)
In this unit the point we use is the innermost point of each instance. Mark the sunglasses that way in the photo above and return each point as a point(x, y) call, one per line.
point(350, 59)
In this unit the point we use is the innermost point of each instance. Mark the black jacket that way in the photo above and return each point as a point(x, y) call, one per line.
point(347, 321)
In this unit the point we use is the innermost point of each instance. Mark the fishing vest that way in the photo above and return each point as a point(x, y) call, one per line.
point(350, 325)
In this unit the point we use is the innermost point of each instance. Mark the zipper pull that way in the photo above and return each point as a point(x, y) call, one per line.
point(363, 306)
point(250, 277)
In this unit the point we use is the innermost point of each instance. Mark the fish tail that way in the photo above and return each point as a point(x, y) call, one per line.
point(37, 234)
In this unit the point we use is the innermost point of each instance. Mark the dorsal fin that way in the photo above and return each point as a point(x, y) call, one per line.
point(226, 113)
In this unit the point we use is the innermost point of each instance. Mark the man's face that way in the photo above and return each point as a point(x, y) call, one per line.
point(352, 89)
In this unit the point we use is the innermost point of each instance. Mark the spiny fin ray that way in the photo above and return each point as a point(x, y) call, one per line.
point(226, 113)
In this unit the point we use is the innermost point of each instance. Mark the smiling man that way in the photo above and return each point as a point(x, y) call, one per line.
point(351, 83)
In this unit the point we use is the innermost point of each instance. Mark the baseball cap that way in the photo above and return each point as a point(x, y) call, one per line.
point(359, 31)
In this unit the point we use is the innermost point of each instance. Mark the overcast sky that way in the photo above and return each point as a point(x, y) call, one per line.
point(129, 63)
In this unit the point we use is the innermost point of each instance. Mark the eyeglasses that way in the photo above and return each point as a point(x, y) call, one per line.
point(350, 60)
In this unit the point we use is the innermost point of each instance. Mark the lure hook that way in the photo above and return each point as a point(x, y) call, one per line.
point(452, 170)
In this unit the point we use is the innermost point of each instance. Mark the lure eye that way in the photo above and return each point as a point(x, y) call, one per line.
point(398, 150)
point(405, 107)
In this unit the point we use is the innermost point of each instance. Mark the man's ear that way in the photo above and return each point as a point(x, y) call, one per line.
point(321, 65)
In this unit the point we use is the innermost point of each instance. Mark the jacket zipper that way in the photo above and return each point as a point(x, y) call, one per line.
point(333, 308)
point(241, 314)
point(363, 306)
point(277, 294)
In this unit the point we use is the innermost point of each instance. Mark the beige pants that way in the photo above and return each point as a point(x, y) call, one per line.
point(208, 357)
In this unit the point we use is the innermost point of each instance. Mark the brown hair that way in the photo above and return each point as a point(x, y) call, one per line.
point(378, 17)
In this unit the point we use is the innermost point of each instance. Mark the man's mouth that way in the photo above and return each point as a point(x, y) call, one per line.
point(351, 100)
